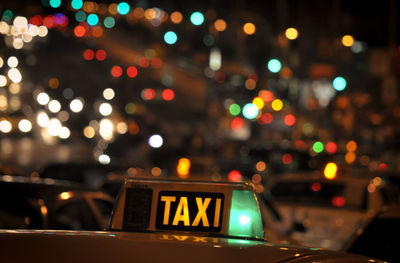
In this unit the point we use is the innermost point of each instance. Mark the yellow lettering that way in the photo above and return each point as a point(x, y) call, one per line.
point(217, 212)
point(183, 205)
point(200, 239)
point(201, 214)
point(167, 200)
point(180, 238)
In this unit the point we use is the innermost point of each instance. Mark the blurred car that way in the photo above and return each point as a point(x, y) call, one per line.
point(168, 221)
point(329, 210)
point(379, 236)
point(33, 203)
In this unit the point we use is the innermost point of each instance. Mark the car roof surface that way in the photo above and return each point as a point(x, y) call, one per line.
point(86, 246)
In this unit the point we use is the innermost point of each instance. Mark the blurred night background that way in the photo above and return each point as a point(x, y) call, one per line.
point(257, 88)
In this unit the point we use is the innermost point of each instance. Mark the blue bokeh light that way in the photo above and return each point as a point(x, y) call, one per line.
point(170, 37)
point(123, 8)
point(250, 111)
point(274, 65)
point(76, 4)
point(339, 83)
point(92, 19)
point(197, 18)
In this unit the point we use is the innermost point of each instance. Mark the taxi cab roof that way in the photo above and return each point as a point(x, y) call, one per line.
point(89, 246)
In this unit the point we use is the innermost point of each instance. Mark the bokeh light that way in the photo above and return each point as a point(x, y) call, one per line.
point(123, 8)
point(105, 109)
point(277, 104)
point(291, 33)
point(54, 106)
point(249, 28)
point(108, 94)
point(339, 83)
point(170, 37)
point(197, 18)
point(220, 25)
point(156, 141)
point(76, 105)
point(347, 40)
point(250, 111)
point(168, 94)
point(25, 125)
point(234, 109)
point(274, 65)
point(176, 17)
point(318, 147)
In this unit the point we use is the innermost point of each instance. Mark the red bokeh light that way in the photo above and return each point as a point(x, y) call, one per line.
point(132, 71)
point(300, 145)
point(382, 167)
point(316, 187)
point(156, 63)
point(168, 94)
point(101, 54)
point(148, 94)
point(237, 123)
point(287, 158)
point(290, 120)
point(116, 71)
point(36, 20)
point(331, 147)
point(79, 31)
point(266, 118)
point(144, 62)
point(88, 54)
point(234, 176)
point(338, 201)
point(48, 21)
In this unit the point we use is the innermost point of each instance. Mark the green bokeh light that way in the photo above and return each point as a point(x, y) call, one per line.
point(234, 109)
point(318, 147)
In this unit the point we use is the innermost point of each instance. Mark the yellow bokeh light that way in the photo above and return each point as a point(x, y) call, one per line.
point(350, 157)
point(149, 14)
point(277, 104)
point(351, 146)
point(183, 168)
point(259, 102)
point(220, 25)
point(65, 195)
point(89, 132)
point(176, 17)
point(347, 40)
point(249, 28)
point(330, 171)
point(291, 33)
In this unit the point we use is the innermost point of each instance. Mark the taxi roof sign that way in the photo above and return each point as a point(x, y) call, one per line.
point(226, 209)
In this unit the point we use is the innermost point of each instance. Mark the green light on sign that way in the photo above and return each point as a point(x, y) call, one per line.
point(245, 218)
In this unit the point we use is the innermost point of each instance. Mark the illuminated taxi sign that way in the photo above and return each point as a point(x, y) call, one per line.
point(191, 211)
point(228, 209)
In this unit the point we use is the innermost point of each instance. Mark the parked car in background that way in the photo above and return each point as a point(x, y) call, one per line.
point(379, 236)
point(329, 210)
point(34, 203)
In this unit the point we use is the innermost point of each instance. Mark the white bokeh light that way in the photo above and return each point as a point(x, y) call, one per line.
point(54, 106)
point(25, 125)
point(108, 94)
point(3, 81)
point(5, 126)
point(14, 75)
point(12, 62)
point(42, 98)
point(42, 119)
point(156, 141)
point(76, 105)
point(54, 127)
point(64, 133)
point(106, 129)
point(104, 159)
point(105, 109)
